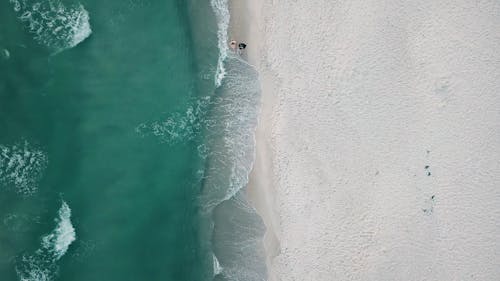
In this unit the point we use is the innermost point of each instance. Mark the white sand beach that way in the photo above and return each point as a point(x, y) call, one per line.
point(378, 147)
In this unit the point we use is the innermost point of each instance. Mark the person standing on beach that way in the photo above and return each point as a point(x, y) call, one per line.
point(233, 45)
point(241, 46)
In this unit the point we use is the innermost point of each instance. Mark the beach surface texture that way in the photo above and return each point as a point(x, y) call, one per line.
point(378, 152)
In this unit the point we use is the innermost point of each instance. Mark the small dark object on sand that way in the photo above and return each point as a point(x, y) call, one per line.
point(242, 46)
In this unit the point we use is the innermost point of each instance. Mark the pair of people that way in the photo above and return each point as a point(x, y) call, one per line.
point(241, 46)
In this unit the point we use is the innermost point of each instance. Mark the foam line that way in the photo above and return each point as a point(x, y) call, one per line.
point(221, 10)
point(52, 24)
point(42, 265)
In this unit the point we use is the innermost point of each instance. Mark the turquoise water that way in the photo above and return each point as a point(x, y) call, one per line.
point(126, 133)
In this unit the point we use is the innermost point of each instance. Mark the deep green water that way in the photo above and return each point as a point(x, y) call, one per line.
point(77, 129)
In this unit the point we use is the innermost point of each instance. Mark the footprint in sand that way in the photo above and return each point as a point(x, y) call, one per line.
point(442, 88)
point(430, 205)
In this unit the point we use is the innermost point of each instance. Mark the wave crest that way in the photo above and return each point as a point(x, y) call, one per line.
point(221, 10)
point(63, 235)
point(42, 266)
point(177, 127)
point(52, 24)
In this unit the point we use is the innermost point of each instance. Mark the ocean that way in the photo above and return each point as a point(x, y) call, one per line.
point(126, 141)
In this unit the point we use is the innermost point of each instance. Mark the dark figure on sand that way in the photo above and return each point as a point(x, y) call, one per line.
point(241, 46)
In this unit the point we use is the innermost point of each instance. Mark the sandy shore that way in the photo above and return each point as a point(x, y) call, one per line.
point(378, 148)
point(247, 25)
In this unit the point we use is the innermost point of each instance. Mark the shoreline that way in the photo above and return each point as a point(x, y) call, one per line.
point(245, 26)
point(368, 148)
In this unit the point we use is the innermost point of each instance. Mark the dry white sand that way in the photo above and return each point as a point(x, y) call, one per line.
point(378, 151)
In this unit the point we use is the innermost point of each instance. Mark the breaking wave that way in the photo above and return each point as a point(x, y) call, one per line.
point(22, 166)
point(229, 133)
point(58, 241)
point(225, 125)
point(177, 127)
point(227, 121)
point(217, 267)
point(221, 10)
point(52, 24)
point(42, 265)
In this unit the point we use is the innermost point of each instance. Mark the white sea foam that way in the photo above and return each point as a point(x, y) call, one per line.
point(217, 267)
point(221, 10)
point(22, 166)
point(227, 120)
point(230, 137)
point(42, 266)
point(177, 127)
point(58, 241)
point(52, 24)
point(36, 270)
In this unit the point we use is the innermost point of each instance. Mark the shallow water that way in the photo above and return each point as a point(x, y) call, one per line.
point(116, 145)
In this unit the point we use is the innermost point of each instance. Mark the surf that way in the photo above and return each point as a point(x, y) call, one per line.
point(42, 265)
point(224, 124)
point(52, 24)
point(21, 167)
point(221, 11)
point(222, 121)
